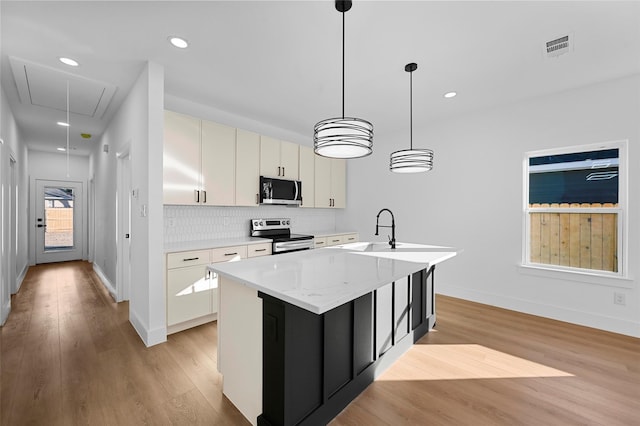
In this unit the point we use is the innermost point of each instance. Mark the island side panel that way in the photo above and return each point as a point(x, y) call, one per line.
point(240, 346)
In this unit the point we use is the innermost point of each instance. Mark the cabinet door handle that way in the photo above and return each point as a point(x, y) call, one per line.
point(283, 171)
point(279, 170)
point(257, 198)
point(190, 259)
point(231, 254)
point(257, 250)
point(334, 241)
point(197, 196)
point(204, 196)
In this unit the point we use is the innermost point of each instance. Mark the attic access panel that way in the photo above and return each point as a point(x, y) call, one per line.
point(46, 87)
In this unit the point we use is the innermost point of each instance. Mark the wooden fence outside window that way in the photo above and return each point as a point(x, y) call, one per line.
point(580, 240)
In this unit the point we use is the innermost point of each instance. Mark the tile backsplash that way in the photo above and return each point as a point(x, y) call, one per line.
point(197, 223)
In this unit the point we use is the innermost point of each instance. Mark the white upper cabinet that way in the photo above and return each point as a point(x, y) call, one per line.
point(207, 163)
point(339, 182)
point(218, 164)
point(289, 160)
point(247, 168)
point(278, 159)
point(181, 157)
point(330, 184)
point(306, 172)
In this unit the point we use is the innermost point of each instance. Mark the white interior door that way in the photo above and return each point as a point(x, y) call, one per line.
point(123, 238)
point(59, 221)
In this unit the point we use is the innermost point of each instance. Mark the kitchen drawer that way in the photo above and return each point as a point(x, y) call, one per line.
point(255, 250)
point(350, 238)
point(187, 258)
point(226, 254)
point(320, 242)
point(334, 240)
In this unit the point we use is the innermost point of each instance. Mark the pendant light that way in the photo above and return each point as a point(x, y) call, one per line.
point(411, 160)
point(344, 137)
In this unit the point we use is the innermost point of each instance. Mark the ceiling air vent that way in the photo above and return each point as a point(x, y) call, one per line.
point(559, 46)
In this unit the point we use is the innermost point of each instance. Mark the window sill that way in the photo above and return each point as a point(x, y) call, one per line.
point(604, 279)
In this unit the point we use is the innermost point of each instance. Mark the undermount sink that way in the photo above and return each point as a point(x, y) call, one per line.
point(409, 252)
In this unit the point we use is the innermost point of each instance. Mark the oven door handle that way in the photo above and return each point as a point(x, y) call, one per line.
point(293, 245)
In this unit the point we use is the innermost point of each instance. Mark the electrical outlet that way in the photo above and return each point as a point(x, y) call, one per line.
point(619, 299)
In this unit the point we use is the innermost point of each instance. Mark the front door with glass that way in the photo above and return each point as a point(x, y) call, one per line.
point(59, 221)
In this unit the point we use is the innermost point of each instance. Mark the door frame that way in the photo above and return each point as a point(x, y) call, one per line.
point(123, 224)
point(13, 208)
point(33, 194)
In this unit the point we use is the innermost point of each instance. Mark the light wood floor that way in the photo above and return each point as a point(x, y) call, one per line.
point(69, 356)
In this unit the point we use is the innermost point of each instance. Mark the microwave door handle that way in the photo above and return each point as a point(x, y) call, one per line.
point(295, 182)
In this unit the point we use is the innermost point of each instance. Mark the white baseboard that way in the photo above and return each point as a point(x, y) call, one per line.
point(149, 337)
point(601, 322)
point(6, 309)
point(105, 281)
point(21, 277)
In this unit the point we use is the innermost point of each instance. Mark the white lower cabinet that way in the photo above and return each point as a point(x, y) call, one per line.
point(335, 239)
point(320, 242)
point(192, 290)
point(189, 287)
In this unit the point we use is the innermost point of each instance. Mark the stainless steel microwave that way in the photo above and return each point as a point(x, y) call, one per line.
point(280, 191)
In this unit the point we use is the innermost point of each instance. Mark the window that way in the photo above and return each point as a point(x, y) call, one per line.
point(574, 208)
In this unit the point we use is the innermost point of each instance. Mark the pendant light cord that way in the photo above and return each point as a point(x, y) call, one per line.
point(411, 109)
point(68, 125)
point(343, 65)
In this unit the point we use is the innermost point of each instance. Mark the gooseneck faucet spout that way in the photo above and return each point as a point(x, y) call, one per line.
point(392, 241)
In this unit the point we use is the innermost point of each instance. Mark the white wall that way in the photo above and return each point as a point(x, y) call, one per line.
point(473, 200)
point(138, 127)
point(12, 256)
point(53, 166)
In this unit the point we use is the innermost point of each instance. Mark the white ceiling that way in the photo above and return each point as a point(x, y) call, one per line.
point(279, 62)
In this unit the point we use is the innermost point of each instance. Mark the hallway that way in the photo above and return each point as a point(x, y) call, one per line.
point(70, 356)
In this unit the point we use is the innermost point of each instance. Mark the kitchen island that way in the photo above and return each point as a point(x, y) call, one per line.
point(300, 335)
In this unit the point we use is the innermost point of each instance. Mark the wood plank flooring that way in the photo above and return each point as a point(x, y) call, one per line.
point(69, 356)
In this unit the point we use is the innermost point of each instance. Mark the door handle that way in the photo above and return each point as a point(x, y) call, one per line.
point(41, 225)
point(279, 170)
point(126, 235)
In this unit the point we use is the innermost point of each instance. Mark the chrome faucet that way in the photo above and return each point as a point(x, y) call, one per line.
point(392, 241)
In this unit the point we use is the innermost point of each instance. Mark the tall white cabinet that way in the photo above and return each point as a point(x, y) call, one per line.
point(181, 157)
point(247, 168)
point(330, 182)
point(218, 164)
point(199, 161)
point(306, 172)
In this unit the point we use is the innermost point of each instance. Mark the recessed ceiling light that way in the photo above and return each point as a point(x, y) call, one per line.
point(63, 124)
point(178, 42)
point(449, 95)
point(61, 149)
point(69, 61)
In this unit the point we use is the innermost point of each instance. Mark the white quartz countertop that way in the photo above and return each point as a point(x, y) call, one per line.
point(211, 244)
point(322, 279)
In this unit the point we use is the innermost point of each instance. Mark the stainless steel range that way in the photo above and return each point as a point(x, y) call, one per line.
point(279, 230)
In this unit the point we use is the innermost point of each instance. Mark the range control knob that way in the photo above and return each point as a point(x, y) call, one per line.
point(288, 222)
point(261, 223)
point(255, 223)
